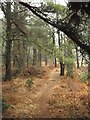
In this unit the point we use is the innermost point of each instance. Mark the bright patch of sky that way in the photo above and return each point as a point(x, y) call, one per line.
point(62, 2)
point(1, 14)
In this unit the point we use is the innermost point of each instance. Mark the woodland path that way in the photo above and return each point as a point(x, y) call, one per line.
point(50, 96)
point(54, 80)
point(46, 92)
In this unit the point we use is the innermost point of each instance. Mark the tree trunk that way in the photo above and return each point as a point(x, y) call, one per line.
point(62, 66)
point(34, 56)
point(77, 59)
point(89, 43)
point(39, 57)
point(28, 56)
point(21, 56)
point(8, 75)
point(55, 60)
point(18, 46)
point(46, 61)
point(82, 62)
point(89, 69)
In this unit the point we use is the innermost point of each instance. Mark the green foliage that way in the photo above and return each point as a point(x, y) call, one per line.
point(69, 60)
point(59, 54)
point(3, 104)
point(69, 69)
point(83, 76)
point(29, 82)
point(40, 36)
point(56, 7)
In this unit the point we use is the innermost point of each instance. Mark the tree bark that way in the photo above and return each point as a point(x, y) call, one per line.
point(89, 43)
point(89, 69)
point(39, 57)
point(18, 46)
point(77, 59)
point(34, 56)
point(62, 66)
point(82, 62)
point(46, 61)
point(55, 60)
point(8, 75)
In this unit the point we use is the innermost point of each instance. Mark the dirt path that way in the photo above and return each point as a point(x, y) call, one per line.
point(62, 86)
point(45, 95)
point(54, 82)
point(51, 96)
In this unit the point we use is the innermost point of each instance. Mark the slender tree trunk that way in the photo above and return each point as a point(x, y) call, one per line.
point(89, 43)
point(82, 62)
point(55, 60)
point(46, 61)
point(89, 69)
point(62, 65)
point(34, 56)
point(77, 59)
point(39, 57)
point(21, 56)
point(28, 56)
point(8, 75)
point(89, 62)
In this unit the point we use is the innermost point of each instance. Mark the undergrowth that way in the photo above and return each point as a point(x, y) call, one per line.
point(83, 76)
point(29, 82)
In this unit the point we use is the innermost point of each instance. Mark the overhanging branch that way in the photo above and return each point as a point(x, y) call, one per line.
point(64, 27)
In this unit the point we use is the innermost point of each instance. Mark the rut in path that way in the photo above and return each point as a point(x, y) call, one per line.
point(43, 105)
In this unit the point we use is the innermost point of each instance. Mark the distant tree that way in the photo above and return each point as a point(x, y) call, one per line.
point(10, 24)
point(6, 8)
point(89, 43)
point(54, 44)
point(69, 58)
point(18, 53)
point(77, 56)
point(39, 37)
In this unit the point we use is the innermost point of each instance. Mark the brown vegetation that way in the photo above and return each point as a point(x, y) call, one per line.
point(50, 96)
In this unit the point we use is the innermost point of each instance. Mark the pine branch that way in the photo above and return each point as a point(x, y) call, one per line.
point(64, 27)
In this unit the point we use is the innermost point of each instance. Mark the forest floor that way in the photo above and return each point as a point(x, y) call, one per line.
point(50, 96)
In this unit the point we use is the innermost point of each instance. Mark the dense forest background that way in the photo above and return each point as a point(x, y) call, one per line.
point(45, 44)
